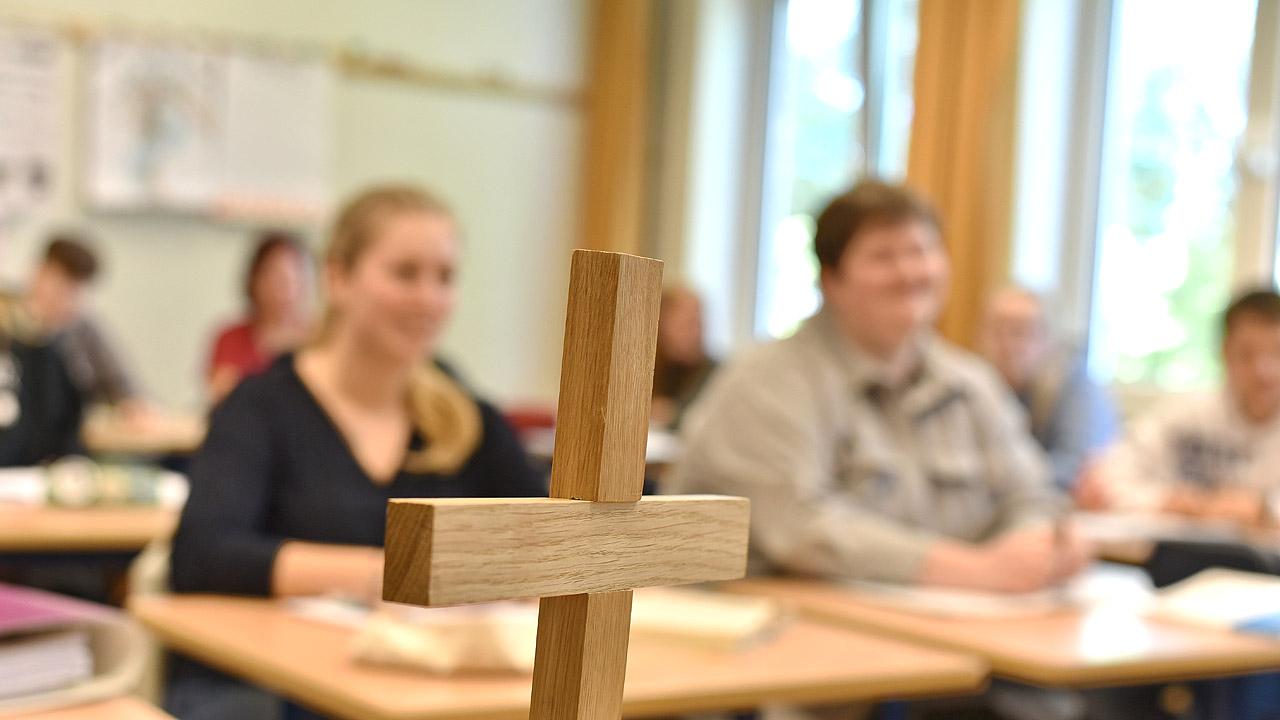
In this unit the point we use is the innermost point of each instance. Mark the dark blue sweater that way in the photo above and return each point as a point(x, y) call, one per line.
point(274, 467)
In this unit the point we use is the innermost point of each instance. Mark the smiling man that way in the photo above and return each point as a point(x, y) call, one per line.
point(869, 447)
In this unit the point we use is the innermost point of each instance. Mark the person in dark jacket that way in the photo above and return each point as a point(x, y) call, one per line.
point(289, 491)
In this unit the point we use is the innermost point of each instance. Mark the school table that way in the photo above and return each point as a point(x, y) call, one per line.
point(123, 708)
point(1068, 648)
point(309, 662)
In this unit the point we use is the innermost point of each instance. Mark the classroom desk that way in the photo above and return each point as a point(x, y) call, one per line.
point(124, 708)
point(108, 434)
point(27, 529)
point(1130, 538)
point(308, 662)
point(1064, 649)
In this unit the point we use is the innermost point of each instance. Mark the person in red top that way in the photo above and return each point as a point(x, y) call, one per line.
point(278, 288)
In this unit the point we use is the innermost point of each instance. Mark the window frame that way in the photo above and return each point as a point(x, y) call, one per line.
point(764, 204)
point(1254, 251)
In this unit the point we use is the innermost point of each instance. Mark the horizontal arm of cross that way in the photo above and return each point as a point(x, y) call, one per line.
point(452, 552)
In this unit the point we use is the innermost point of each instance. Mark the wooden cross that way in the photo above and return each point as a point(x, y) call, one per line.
point(586, 547)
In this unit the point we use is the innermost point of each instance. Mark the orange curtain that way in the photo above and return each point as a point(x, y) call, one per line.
point(961, 154)
point(616, 125)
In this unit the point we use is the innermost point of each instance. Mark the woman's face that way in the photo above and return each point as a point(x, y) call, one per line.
point(280, 285)
point(680, 328)
point(400, 293)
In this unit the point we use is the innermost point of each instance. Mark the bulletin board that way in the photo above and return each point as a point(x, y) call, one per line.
point(30, 109)
point(221, 132)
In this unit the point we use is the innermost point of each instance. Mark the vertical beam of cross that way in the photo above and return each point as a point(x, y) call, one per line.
point(606, 383)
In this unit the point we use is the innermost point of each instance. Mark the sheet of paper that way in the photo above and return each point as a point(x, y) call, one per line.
point(1131, 527)
point(23, 486)
point(1102, 584)
point(30, 119)
point(1221, 598)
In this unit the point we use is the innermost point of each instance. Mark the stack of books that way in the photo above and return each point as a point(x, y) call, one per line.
point(58, 651)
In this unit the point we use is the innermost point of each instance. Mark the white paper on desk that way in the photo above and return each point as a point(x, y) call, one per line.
point(172, 489)
point(1133, 526)
point(1102, 584)
point(709, 619)
point(1220, 598)
point(23, 486)
point(493, 637)
point(489, 637)
point(498, 637)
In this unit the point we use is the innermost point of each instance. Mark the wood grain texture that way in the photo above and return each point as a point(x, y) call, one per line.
point(1071, 648)
point(449, 551)
point(581, 658)
point(606, 377)
point(804, 662)
point(108, 434)
point(104, 529)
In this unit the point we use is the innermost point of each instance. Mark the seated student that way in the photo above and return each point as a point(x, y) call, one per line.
point(289, 491)
point(869, 447)
point(55, 300)
point(277, 286)
point(40, 406)
point(682, 367)
point(1071, 416)
point(1211, 455)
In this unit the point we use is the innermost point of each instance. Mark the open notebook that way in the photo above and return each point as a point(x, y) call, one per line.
point(498, 637)
point(58, 651)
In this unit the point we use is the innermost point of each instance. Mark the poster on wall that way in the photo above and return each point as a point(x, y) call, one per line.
point(29, 119)
point(156, 120)
point(214, 132)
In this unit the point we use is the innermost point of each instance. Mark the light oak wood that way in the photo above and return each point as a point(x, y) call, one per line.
point(107, 529)
point(590, 632)
point(606, 382)
point(1064, 649)
point(804, 662)
point(108, 434)
point(584, 556)
point(452, 552)
point(606, 377)
point(125, 708)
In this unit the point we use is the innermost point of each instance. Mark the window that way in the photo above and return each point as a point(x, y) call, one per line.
point(840, 108)
point(1167, 235)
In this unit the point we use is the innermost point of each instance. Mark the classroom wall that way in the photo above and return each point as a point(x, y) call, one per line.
point(509, 167)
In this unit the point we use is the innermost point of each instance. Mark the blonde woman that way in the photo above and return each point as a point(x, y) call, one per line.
point(289, 491)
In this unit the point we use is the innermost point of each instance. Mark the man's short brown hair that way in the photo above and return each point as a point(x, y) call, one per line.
point(866, 204)
point(1261, 304)
point(71, 254)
